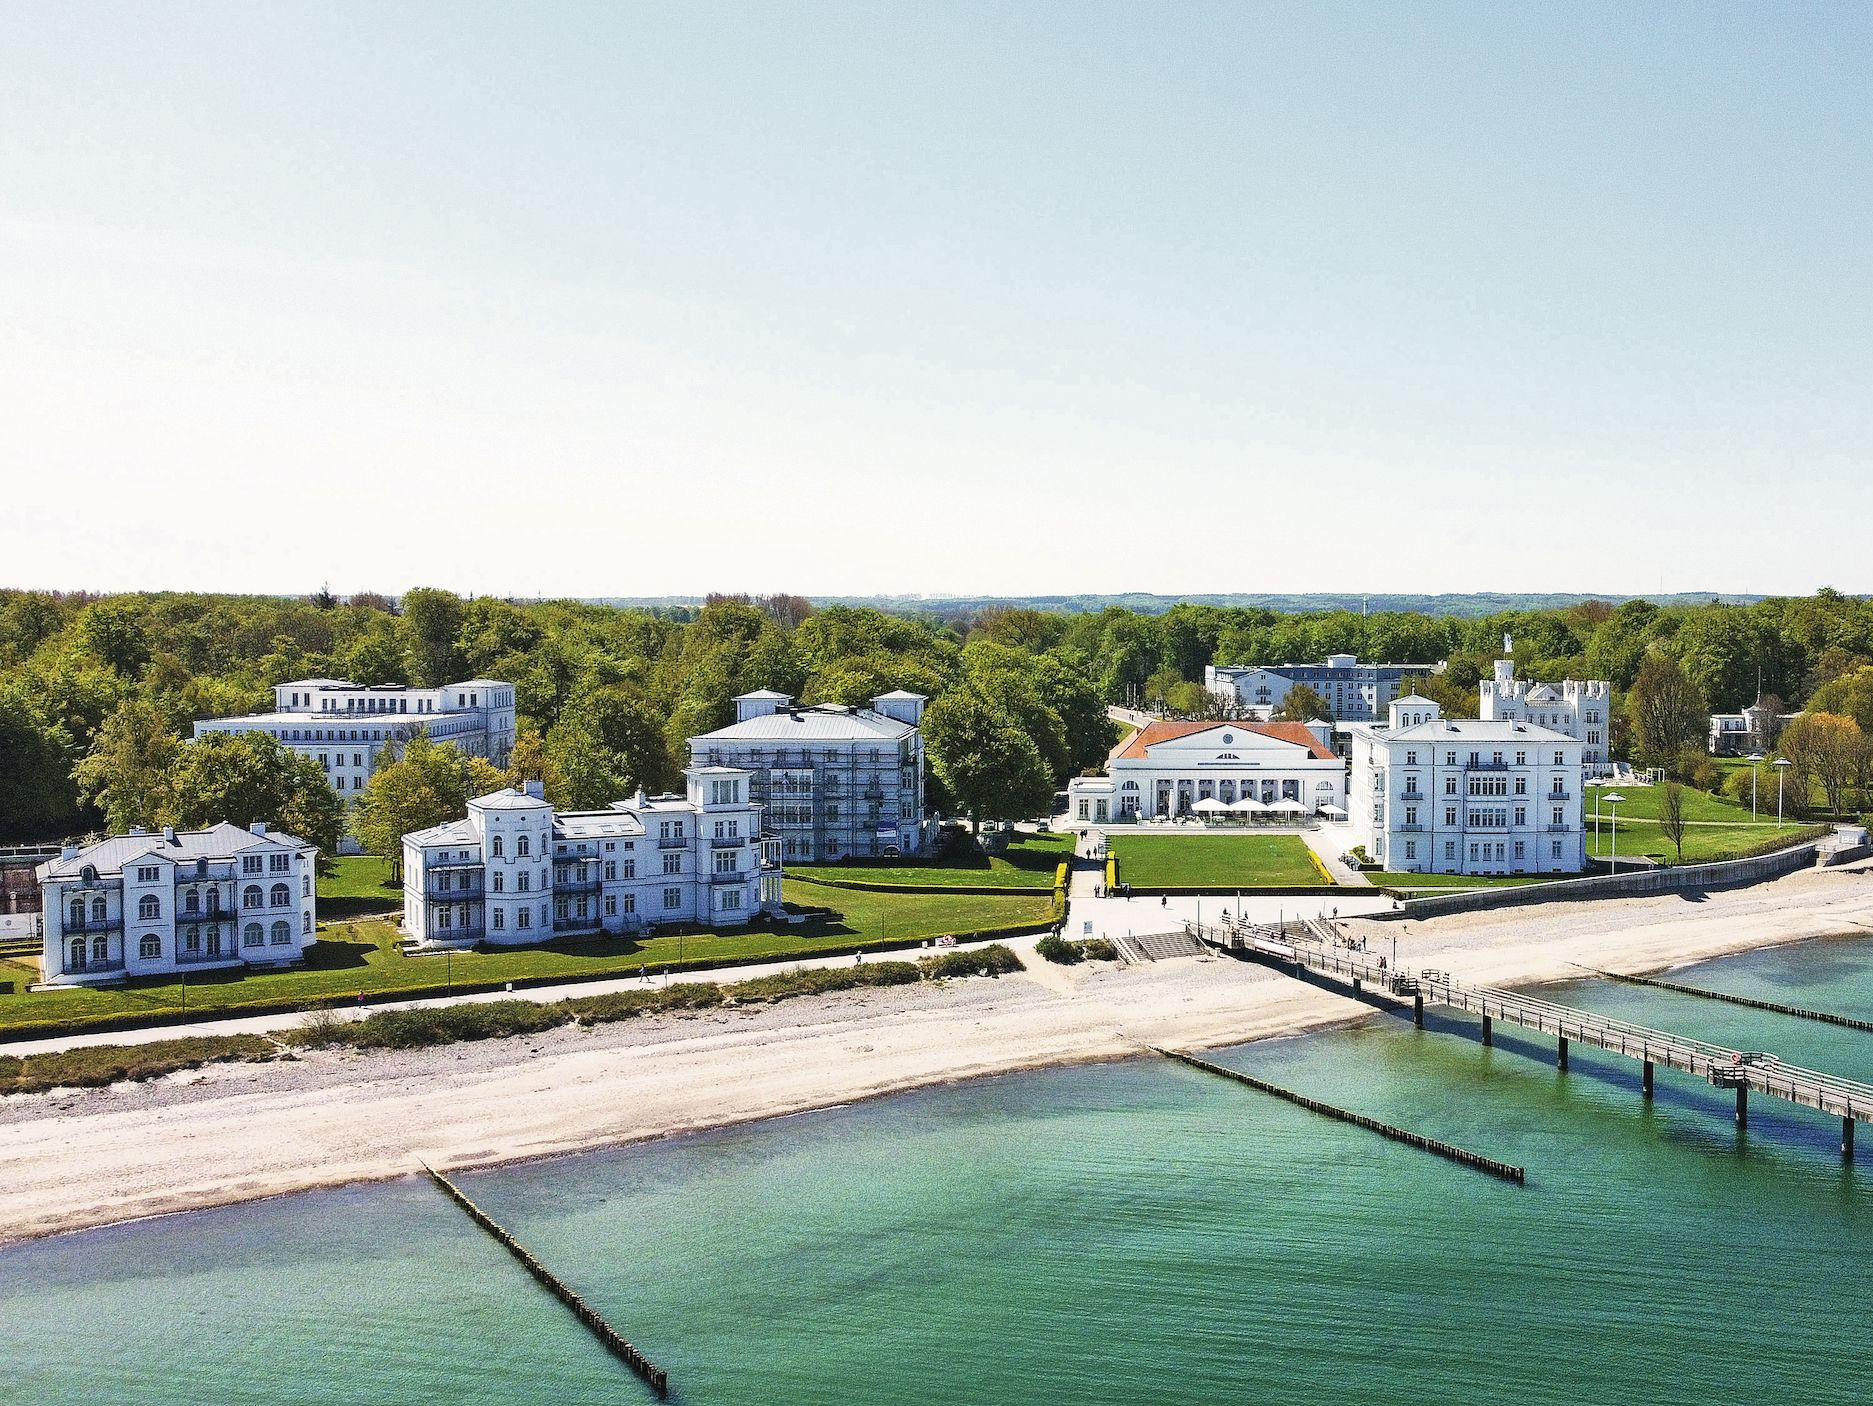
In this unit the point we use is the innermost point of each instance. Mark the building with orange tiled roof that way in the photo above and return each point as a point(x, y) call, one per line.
point(1267, 770)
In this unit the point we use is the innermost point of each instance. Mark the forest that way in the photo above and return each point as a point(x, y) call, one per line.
point(98, 693)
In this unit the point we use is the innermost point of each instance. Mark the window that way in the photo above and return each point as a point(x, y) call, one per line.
point(1450, 785)
point(673, 862)
point(191, 901)
point(282, 896)
point(1558, 817)
point(495, 847)
point(282, 933)
point(500, 919)
point(611, 905)
point(279, 863)
point(523, 847)
point(526, 918)
point(526, 881)
point(1521, 815)
point(1521, 759)
point(1518, 849)
point(1450, 815)
point(78, 912)
point(672, 898)
point(150, 948)
point(253, 936)
point(500, 882)
point(630, 902)
point(305, 885)
point(628, 869)
point(251, 896)
point(1521, 785)
point(1450, 849)
point(1411, 849)
point(77, 962)
point(192, 940)
point(305, 922)
point(728, 829)
point(147, 874)
point(100, 910)
point(1411, 759)
point(1557, 849)
point(149, 906)
point(725, 861)
point(250, 864)
point(611, 868)
point(1450, 759)
point(730, 900)
point(1557, 759)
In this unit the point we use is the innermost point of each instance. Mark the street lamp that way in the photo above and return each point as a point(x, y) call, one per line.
point(1613, 798)
point(1782, 764)
point(1755, 761)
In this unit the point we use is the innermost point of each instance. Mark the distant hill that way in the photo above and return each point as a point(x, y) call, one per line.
point(1471, 604)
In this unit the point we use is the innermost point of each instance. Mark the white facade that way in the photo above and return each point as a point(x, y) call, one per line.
point(1582, 709)
point(1355, 692)
point(1431, 794)
point(146, 904)
point(1166, 768)
point(343, 726)
point(836, 781)
point(516, 871)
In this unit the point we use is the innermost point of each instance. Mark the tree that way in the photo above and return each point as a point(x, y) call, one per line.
point(1667, 711)
point(431, 624)
point(1454, 700)
point(429, 783)
point(605, 746)
point(528, 761)
point(126, 772)
point(242, 777)
point(1671, 818)
point(1828, 750)
point(115, 632)
point(1303, 705)
point(37, 800)
point(988, 765)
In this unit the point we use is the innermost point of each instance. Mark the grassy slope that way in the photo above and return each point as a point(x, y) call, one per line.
point(1718, 827)
point(1219, 862)
point(1030, 862)
point(362, 956)
point(360, 876)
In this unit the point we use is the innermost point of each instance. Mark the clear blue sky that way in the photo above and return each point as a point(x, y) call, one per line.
point(607, 299)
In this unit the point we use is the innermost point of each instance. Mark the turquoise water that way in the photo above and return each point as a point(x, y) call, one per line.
point(1135, 1231)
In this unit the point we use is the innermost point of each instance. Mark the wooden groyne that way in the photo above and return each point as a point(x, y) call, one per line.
point(1825, 1017)
point(652, 1375)
point(1505, 1171)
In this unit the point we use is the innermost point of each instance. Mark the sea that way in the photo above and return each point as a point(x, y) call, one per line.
point(1135, 1231)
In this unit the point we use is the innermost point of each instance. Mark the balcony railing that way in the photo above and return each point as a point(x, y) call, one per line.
point(90, 925)
point(735, 876)
point(458, 933)
point(449, 892)
point(1559, 829)
point(189, 959)
point(1411, 795)
point(728, 841)
point(1560, 795)
point(88, 966)
point(672, 842)
point(1486, 766)
point(581, 884)
point(1411, 828)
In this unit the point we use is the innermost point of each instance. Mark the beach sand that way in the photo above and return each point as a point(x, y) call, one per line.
point(71, 1159)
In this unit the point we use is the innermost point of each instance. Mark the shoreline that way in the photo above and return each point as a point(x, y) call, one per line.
point(328, 1120)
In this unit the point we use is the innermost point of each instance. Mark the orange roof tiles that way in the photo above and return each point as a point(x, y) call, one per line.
point(1135, 745)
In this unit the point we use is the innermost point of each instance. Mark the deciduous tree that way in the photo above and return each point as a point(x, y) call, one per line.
point(126, 772)
point(1667, 711)
point(989, 766)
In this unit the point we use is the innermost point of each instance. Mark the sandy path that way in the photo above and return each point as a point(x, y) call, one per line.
point(72, 1159)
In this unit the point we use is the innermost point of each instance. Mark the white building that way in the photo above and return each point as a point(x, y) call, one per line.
point(836, 781)
point(147, 904)
point(343, 726)
point(516, 871)
point(1431, 794)
point(1165, 768)
point(1355, 692)
point(1582, 709)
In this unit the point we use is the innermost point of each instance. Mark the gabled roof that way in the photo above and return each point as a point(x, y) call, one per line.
point(450, 832)
point(1543, 693)
point(1296, 734)
point(1416, 698)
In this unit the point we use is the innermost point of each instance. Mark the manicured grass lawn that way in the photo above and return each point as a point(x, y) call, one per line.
point(360, 879)
point(1702, 843)
point(1387, 879)
point(362, 956)
point(1219, 862)
point(1641, 803)
point(1029, 862)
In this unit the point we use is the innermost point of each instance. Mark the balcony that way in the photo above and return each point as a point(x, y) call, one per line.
point(1560, 795)
point(728, 841)
point(733, 876)
point(672, 842)
point(1559, 829)
point(91, 925)
point(471, 933)
point(1411, 795)
point(1486, 766)
point(206, 955)
point(584, 884)
point(88, 968)
point(1409, 829)
point(448, 893)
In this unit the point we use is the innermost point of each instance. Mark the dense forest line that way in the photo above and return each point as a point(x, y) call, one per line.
point(97, 693)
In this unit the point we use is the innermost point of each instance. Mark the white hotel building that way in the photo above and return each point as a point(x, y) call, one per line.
point(343, 726)
point(147, 904)
point(516, 871)
point(1431, 794)
point(1164, 769)
point(1580, 708)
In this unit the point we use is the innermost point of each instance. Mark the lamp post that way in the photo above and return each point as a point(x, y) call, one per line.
point(1755, 761)
point(1613, 799)
point(1782, 764)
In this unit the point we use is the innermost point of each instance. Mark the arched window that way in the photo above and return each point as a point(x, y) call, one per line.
point(282, 896)
point(149, 906)
point(305, 885)
point(306, 922)
point(523, 847)
point(193, 942)
point(100, 949)
point(100, 910)
point(253, 936)
point(282, 933)
point(191, 901)
point(150, 948)
point(77, 963)
point(494, 847)
point(78, 912)
point(251, 896)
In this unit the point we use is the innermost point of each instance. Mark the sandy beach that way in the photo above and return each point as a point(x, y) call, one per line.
point(71, 1159)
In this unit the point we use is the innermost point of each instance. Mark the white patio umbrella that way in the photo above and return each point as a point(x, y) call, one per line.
point(1248, 805)
point(1288, 807)
point(1209, 805)
point(1335, 811)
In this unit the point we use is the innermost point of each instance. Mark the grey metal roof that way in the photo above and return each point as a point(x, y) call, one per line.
point(1472, 730)
point(450, 832)
point(216, 842)
point(510, 799)
point(822, 723)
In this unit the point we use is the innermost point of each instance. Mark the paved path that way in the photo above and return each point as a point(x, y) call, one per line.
point(1330, 841)
point(269, 1024)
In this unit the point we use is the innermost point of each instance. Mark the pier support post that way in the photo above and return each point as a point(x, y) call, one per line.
point(1417, 1010)
point(1489, 1031)
point(1560, 1053)
point(1742, 1105)
point(1846, 1138)
point(1645, 1082)
point(1358, 990)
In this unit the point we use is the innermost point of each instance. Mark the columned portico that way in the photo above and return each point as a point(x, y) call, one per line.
point(1164, 771)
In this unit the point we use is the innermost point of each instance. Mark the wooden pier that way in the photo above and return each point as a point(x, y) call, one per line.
point(1752, 1002)
point(1743, 1071)
point(649, 1372)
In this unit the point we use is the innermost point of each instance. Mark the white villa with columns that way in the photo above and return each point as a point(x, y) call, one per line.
point(1167, 768)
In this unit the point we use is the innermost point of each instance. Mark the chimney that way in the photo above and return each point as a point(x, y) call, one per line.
point(760, 704)
point(533, 788)
point(259, 827)
point(69, 851)
point(169, 834)
point(138, 830)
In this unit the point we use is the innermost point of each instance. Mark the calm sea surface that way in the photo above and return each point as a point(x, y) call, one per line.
point(1134, 1231)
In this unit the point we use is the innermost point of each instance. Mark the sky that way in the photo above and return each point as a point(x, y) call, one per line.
point(610, 299)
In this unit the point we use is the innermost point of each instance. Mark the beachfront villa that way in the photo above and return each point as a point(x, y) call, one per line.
point(151, 904)
point(836, 781)
point(1580, 708)
point(1244, 771)
point(1431, 794)
point(1355, 692)
point(343, 726)
point(516, 871)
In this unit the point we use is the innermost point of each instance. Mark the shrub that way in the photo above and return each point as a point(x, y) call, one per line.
point(1097, 949)
point(434, 1025)
point(94, 1066)
point(993, 960)
point(1057, 949)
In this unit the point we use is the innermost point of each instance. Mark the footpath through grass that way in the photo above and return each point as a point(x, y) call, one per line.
point(1216, 863)
point(362, 957)
point(1029, 862)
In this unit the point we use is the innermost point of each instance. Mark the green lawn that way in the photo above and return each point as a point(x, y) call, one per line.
point(1703, 844)
point(351, 957)
point(1030, 862)
point(1215, 862)
point(360, 881)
